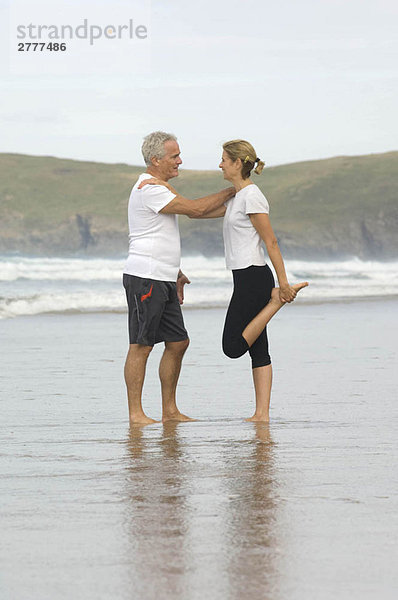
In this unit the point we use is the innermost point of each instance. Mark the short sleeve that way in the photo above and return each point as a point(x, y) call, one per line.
point(256, 202)
point(157, 197)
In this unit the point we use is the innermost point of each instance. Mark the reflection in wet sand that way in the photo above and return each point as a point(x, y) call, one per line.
point(251, 519)
point(201, 515)
point(156, 515)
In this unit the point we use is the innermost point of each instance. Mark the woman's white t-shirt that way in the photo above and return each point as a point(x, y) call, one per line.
point(242, 243)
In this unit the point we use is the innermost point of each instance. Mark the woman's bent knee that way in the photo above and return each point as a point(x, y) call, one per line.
point(235, 348)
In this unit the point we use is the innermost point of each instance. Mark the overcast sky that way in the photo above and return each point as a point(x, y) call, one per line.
point(301, 80)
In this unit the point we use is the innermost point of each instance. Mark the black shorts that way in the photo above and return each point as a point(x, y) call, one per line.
point(154, 311)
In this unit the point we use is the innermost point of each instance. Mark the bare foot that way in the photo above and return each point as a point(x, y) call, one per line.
point(300, 286)
point(297, 287)
point(258, 418)
point(141, 420)
point(275, 294)
point(176, 417)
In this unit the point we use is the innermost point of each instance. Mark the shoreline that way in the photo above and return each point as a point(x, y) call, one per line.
point(189, 308)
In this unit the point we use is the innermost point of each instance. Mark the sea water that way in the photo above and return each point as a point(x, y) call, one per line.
point(30, 286)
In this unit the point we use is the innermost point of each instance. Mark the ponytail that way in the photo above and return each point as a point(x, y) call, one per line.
point(245, 151)
point(260, 166)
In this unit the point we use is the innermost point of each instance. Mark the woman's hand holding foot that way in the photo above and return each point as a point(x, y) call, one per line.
point(287, 293)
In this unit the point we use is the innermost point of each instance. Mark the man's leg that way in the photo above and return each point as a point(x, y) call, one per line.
point(169, 371)
point(134, 375)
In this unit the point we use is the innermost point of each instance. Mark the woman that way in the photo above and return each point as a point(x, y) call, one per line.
point(255, 299)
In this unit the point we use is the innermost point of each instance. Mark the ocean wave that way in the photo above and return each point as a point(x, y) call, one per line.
point(352, 268)
point(61, 303)
point(200, 267)
point(30, 286)
point(60, 269)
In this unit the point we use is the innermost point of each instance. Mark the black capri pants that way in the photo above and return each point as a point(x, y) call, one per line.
point(252, 291)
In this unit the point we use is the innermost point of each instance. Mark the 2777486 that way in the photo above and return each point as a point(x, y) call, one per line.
point(41, 47)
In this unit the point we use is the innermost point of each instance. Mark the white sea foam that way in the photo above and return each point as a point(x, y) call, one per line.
point(30, 286)
point(58, 302)
point(61, 269)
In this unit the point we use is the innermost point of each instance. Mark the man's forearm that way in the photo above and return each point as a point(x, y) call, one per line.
point(209, 203)
point(196, 209)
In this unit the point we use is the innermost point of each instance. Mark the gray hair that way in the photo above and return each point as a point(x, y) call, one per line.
point(153, 145)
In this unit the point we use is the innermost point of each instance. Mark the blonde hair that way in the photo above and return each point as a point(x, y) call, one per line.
point(247, 154)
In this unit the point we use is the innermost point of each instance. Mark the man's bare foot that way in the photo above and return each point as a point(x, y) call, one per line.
point(177, 416)
point(258, 418)
point(141, 420)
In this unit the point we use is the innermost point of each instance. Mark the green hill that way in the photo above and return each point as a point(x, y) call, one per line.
point(319, 209)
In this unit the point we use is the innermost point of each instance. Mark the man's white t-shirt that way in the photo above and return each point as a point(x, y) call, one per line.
point(242, 243)
point(154, 239)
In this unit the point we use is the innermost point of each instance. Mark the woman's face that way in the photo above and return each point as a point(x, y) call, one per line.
point(228, 166)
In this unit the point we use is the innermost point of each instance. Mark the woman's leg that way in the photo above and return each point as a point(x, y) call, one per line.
point(233, 344)
point(245, 328)
point(252, 287)
point(252, 291)
point(255, 335)
point(257, 325)
point(262, 378)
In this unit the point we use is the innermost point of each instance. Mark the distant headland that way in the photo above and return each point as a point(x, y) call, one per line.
point(332, 208)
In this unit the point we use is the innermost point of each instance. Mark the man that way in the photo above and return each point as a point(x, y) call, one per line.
point(152, 277)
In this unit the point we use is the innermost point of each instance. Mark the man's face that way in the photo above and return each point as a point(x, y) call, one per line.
point(168, 165)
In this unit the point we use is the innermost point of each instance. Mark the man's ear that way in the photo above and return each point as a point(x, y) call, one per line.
point(155, 161)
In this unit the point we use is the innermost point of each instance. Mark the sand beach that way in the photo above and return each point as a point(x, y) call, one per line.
point(219, 508)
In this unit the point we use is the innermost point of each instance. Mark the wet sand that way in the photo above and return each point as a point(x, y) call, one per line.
point(219, 508)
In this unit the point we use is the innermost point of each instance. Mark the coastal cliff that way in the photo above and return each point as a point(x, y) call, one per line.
point(333, 208)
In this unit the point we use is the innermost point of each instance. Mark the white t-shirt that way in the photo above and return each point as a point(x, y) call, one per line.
point(242, 243)
point(154, 240)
